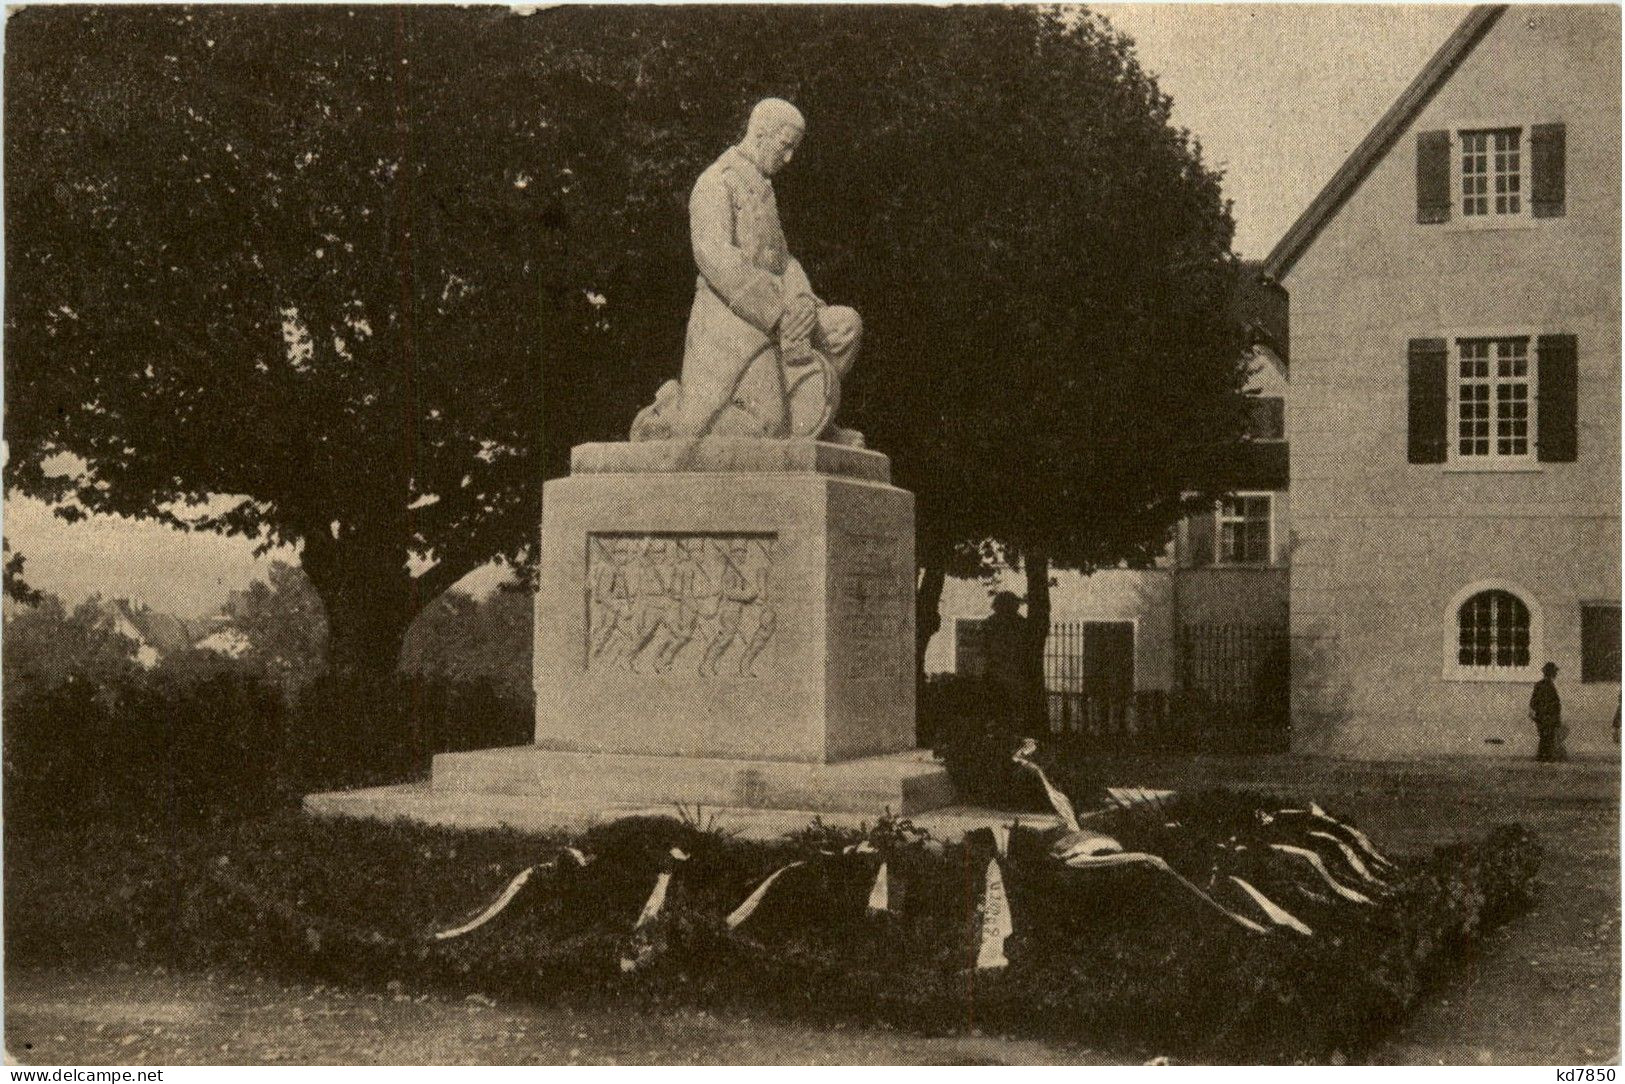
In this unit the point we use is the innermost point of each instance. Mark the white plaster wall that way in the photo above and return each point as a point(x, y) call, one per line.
point(1380, 546)
point(1139, 595)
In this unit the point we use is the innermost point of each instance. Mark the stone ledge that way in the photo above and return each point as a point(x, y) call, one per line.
point(730, 455)
point(419, 803)
point(904, 783)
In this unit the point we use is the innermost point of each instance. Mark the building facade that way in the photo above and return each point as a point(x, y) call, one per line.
point(1127, 631)
point(1455, 433)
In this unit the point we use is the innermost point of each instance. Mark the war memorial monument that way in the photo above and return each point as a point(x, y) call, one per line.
point(725, 610)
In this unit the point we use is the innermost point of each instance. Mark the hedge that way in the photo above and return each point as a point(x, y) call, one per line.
point(1117, 960)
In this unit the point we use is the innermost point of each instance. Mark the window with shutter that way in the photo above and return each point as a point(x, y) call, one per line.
point(1599, 642)
point(1492, 176)
point(1429, 400)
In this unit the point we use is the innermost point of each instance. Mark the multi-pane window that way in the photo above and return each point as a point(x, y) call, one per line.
point(1492, 172)
point(1493, 630)
point(1266, 418)
point(1244, 530)
point(1492, 398)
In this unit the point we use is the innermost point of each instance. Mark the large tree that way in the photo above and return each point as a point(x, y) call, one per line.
point(370, 272)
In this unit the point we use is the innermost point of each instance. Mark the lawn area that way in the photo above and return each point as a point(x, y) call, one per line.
point(687, 1003)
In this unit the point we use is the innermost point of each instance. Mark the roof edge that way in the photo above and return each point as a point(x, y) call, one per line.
point(1381, 138)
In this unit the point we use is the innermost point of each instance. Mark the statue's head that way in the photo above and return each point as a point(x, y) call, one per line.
point(773, 134)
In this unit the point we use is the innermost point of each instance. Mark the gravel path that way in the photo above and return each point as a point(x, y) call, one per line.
point(147, 1017)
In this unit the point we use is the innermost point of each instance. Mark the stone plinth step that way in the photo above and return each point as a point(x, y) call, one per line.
point(903, 783)
point(421, 803)
point(730, 455)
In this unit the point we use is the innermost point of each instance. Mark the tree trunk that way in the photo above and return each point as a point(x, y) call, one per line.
point(358, 718)
point(366, 628)
point(1036, 564)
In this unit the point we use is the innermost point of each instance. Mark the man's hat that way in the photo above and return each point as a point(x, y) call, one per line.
point(1549, 669)
point(1006, 602)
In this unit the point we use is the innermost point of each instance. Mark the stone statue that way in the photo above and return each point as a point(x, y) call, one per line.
point(764, 356)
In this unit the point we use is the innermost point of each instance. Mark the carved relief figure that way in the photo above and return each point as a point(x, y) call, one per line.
point(675, 592)
point(743, 613)
point(764, 357)
point(650, 597)
point(612, 609)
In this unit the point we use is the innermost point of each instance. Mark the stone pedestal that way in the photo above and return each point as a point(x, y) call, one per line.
point(726, 623)
point(747, 599)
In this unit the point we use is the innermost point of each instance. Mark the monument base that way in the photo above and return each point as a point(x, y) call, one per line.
point(902, 784)
point(532, 790)
point(749, 599)
point(721, 623)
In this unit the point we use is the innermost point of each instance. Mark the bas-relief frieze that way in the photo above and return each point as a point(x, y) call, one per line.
point(664, 603)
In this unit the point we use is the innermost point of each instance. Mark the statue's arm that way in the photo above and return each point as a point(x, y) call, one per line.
point(756, 296)
point(796, 283)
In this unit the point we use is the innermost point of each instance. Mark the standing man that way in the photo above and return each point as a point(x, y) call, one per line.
point(1005, 643)
point(1546, 709)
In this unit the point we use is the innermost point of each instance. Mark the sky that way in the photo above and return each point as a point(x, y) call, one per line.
point(1277, 95)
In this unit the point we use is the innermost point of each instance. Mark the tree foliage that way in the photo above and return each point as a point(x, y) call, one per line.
point(48, 644)
point(282, 627)
point(371, 272)
point(17, 589)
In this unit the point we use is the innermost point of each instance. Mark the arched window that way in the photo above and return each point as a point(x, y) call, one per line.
point(1492, 630)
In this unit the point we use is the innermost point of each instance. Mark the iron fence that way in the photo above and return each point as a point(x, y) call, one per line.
point(1231, 692)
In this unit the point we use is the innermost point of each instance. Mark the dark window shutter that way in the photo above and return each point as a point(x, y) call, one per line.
point(1433, 177)
point(1199, 535)
point(1556, 436)
point(1599, 642)
point(1548, 154)
point(1429, 401)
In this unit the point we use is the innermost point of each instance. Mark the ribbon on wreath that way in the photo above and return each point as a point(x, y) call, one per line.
point(1316, 863)
point(1331, 824)
point(1352, 860)
point(641, 948)
point(1272, 910)
point(1079, 848)
point(1058, 801)
point(879, 901)
point(997, 924)
point(568, 856)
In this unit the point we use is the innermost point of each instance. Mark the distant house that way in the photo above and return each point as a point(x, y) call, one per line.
point(221, 636)
point(1122, 632)
point(1455, 432)
point(156, 635)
